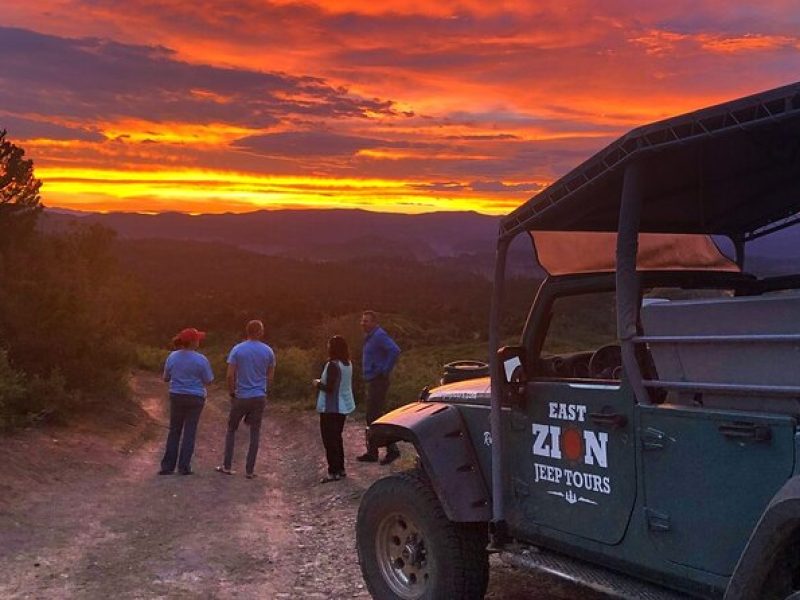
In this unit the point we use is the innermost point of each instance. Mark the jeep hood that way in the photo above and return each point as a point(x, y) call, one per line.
point(471, 391)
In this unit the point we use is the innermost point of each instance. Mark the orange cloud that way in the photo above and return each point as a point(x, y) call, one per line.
point(453, 104)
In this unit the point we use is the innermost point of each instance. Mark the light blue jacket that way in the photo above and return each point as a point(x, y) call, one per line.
point(336, 389)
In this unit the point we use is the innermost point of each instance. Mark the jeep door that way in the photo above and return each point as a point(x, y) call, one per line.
point(572, 435)
point(708, 476)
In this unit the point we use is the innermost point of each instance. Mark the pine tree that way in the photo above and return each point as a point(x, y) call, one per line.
point(19, 194)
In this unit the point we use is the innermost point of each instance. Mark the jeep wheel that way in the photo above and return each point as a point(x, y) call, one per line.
point(409, 550)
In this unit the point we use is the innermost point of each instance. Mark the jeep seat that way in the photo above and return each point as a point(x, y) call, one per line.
point(755, 355)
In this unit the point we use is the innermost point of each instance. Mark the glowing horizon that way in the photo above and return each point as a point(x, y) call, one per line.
point(202, 107)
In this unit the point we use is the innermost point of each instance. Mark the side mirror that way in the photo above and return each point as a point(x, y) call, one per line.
point(512, 363)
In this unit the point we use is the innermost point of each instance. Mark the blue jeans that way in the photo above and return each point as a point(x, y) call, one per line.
point(184, 415)
point(252, 411)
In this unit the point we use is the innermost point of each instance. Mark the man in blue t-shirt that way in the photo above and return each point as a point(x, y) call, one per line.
point(251, 369)
point(379, 357)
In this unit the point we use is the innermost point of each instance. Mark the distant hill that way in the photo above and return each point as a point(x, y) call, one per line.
point(313, 233)
point(463, 241)
point(460, 240)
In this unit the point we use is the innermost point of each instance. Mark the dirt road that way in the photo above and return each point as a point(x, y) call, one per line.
point(84, 515)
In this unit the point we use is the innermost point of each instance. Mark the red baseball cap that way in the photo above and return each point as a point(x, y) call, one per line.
point(190, 334)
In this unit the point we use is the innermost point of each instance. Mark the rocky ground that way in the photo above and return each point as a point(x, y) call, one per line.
point(84, 515)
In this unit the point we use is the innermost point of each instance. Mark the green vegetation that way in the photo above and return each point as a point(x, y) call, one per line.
point(436, 315)
point(67, 312)
point(79, 309)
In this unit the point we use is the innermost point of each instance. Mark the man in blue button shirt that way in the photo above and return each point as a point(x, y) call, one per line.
point(379, 357)
point(251, 369)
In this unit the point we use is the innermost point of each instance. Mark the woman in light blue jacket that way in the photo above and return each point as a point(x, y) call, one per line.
point(334, 402)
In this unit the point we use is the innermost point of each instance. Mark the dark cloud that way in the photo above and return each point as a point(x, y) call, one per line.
point(306, 143)
point(319, 143)
point(90, 78)
point(21, 128)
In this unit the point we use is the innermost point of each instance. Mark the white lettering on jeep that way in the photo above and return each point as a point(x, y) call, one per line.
point(568, 442)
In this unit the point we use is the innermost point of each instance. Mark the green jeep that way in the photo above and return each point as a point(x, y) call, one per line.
point(642, 439)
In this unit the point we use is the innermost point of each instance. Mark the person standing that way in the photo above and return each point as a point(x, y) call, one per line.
point(251, 370)
point(187, 372)
point(379, 357)
point(334, 402)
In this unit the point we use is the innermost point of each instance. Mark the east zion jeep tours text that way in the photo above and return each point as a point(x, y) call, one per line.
point(575, 445)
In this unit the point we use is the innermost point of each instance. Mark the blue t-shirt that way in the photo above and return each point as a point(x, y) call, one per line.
point(188, 372)
point(252, 360)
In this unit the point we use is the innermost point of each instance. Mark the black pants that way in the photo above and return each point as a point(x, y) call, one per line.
point(184, 415)
point(252, 411)
point(331, 426)
point(376, 408)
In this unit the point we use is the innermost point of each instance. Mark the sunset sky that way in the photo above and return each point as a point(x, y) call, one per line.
point(213, 106)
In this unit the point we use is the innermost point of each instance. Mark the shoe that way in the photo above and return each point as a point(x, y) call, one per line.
point(342, 474)
point(250, 476)
point(165, 472)
point(331, 477)
point(223, 470)
point(186, 472)
point(367, 457)
point(390, 457)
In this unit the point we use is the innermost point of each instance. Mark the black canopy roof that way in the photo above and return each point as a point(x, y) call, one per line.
point(727, 169)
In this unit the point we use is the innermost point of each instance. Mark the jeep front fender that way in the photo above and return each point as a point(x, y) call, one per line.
point(448, 457)
point(780, 521)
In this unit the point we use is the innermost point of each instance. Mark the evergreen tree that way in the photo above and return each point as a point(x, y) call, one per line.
point(19, 194)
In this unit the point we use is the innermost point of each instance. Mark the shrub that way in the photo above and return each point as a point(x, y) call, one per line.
point(12, 390)
point(295, 369)
point(150, 358)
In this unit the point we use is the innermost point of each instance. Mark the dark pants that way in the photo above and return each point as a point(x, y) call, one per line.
point(184, 415)
point(252, 411)
point(376, 408)
point(331, 426)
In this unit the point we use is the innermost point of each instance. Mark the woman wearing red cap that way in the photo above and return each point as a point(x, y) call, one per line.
point(188, 372)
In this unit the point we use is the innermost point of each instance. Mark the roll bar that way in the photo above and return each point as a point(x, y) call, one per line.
point(498, 526)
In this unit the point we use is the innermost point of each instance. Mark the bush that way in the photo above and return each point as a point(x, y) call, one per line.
point(12, 389)
point(150, 358)
point(295, 369)
point(25, 399)
point(65, 314)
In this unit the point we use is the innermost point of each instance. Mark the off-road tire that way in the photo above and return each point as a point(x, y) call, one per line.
point(457, 562)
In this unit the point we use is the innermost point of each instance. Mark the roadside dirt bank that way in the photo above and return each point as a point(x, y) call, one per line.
point(84, 515)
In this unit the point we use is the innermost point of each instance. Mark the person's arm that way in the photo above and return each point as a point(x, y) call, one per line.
point(392, 351)
point(208, 374)
point(333, 376)
point(230, 378)
point(167, 370)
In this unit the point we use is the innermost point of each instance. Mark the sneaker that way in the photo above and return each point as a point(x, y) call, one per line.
point(342, 474)
point(186, 472)
point(330, 478)
point(223, 470)
point(165, 472)
point(390, 457)
point(367, 457)
point(250, 476)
